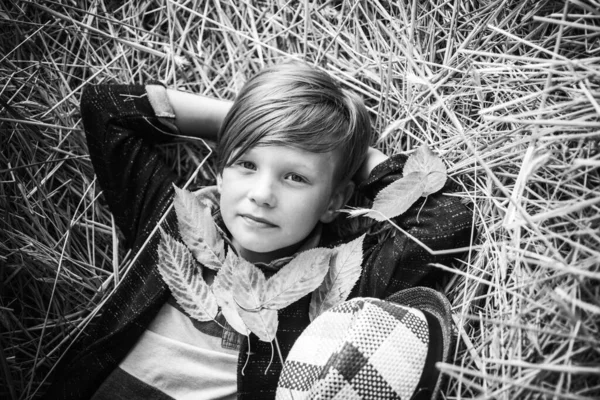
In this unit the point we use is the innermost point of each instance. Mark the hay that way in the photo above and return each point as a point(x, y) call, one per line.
point(507, 91)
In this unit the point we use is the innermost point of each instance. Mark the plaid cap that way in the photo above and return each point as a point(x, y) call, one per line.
point(367, 348)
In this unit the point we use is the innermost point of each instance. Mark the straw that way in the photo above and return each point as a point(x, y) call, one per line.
point(506, 91)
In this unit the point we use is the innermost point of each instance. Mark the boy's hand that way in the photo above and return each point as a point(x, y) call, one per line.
point(374, 158)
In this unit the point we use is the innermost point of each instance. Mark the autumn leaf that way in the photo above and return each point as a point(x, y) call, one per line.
point(222, 288)
point(262, 323)
point(198, 229)
point(298, 278)
point(345, 270)
point(397, 197)
point(177, 269)
point(249, 285)
point(425, 161)
point(435, 181)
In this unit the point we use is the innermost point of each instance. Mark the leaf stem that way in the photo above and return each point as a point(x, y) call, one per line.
point(278, 350)
point(218, 323)
point(271, 360)
point(247, 357)
point(423, 245)
point(281, 359)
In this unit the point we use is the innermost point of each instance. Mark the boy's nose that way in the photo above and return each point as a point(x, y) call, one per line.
point(262, 192)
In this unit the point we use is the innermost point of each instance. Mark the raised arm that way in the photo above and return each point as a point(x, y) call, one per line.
point(374, 158)
point(198, 116)
point(393, 260)
point(123, 123)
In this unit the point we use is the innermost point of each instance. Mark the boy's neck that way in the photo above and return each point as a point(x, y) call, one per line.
point(311, 241)
point(266, 258)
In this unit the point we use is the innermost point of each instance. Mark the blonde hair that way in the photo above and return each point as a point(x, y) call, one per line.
point(295, 104)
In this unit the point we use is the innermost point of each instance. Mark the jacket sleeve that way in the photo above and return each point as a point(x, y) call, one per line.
point(392, 260)
point(122, 128)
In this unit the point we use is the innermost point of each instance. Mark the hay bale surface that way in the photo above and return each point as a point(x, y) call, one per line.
point(506, 91)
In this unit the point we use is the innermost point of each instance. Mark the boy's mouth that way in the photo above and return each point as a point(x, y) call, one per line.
point(254, 220)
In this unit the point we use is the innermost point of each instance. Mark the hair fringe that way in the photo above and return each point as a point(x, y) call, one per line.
point(295, 104)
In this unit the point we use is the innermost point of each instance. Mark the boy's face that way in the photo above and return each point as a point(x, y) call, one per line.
point(273, 196)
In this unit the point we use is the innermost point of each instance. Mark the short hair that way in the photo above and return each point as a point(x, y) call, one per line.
point(295, 104)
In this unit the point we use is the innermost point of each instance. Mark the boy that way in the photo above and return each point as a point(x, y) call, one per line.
point(289, 151)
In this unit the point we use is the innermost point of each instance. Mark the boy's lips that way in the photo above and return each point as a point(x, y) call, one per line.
point(254, 220)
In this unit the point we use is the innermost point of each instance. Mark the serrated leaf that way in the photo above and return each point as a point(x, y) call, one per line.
point(249, 285)
point(298, 278)
point(425, 161)
point(398, 196)
point(435, 181)
point(345, 270)
point(262, 323)
point(177, 269)
point(210, 247)
point(198, 229)
point(222, 288)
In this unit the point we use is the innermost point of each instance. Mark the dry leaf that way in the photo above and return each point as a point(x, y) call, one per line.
point(177, 269)
point(249, 285)
point(398, 196)
point(345, 270)
point(222, 287)
point(425, 161)
point(198, 229)
point(211, 246)
point(262, 323)
point(435, 181)
point(298, 278)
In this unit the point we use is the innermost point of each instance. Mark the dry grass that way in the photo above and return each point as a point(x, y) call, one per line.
point(508, 92)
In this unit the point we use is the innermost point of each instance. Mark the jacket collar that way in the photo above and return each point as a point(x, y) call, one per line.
point(210, 197)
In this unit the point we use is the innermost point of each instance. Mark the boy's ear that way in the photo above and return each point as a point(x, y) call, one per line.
point(339, 198)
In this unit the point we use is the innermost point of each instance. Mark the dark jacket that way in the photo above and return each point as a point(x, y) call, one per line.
point(122, 131)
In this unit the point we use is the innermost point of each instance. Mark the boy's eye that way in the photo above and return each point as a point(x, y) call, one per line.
point(296, 178)
point(247, 165)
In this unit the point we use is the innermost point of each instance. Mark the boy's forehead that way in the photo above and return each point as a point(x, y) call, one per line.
point(293, 155)
point(291, 152)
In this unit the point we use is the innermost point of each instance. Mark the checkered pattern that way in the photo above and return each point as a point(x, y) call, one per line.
point(362, 349)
